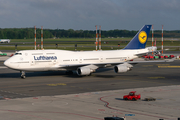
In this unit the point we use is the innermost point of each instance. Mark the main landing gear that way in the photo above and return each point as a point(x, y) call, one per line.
point(23, 74)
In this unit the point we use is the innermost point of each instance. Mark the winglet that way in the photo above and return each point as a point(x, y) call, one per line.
point(140, 39)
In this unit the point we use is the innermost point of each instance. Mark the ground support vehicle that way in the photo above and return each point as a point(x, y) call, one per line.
point(132, 96)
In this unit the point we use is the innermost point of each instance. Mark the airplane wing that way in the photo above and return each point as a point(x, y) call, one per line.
point(101, 65)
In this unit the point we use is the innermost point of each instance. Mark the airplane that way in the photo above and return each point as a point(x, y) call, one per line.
point(5, 40)
point(83, 62)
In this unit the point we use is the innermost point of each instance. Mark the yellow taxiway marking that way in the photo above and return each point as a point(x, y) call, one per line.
point(156, 77)
point(168, 66)
point(57, 84)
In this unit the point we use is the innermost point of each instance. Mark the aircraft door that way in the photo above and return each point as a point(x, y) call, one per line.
point(54, 61)
point(101, 59)
point(80, 60)
point(32, 62)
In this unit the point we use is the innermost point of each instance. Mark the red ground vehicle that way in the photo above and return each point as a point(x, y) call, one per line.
point(171, 56)
point(161, 57)
point(151, 57)
point(166, 56)
point(148, 57)
point(132, 96)
point(145, 56)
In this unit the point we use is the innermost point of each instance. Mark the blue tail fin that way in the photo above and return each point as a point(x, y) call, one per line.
point(140, 39)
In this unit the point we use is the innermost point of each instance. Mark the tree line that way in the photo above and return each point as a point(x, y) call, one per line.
point(28, 33)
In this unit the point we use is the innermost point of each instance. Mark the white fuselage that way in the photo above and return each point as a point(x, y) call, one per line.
point(46, 60)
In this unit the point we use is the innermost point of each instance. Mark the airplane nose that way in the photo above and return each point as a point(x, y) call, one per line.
point(6, 63)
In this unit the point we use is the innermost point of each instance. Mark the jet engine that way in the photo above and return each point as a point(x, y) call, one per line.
point(84, 71)
point(121, 68)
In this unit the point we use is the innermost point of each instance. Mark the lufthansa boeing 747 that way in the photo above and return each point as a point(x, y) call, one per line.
point(84, 63)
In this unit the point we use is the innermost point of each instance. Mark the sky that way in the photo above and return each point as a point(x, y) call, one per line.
point(85, 14)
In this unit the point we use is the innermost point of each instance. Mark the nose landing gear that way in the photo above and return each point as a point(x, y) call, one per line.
point(23, 74)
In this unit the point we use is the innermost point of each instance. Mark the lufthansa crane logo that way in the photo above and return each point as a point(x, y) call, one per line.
point(142, 37)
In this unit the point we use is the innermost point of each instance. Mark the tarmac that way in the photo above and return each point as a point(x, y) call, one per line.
point(55, 95)
point(96, 105)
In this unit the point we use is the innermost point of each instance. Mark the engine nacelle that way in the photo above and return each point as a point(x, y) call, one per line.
point(121, 68)
point(83, 71)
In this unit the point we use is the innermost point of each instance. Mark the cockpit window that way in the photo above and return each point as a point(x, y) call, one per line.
point(18, 53)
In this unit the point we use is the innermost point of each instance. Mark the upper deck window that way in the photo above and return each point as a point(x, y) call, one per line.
point(18, 53)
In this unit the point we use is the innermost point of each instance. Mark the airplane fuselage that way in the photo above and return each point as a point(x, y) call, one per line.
point(46, 60)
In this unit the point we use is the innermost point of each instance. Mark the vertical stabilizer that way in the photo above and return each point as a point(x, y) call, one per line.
point(140, 39)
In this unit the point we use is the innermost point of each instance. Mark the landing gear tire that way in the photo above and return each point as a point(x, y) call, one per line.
point(23, 77)
point(133, 99)
point(23, 74)
point(125, 99)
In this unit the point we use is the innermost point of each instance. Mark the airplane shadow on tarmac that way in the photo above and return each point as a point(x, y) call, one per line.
point(32, 74)
point(17, 74)
point(55, 73)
